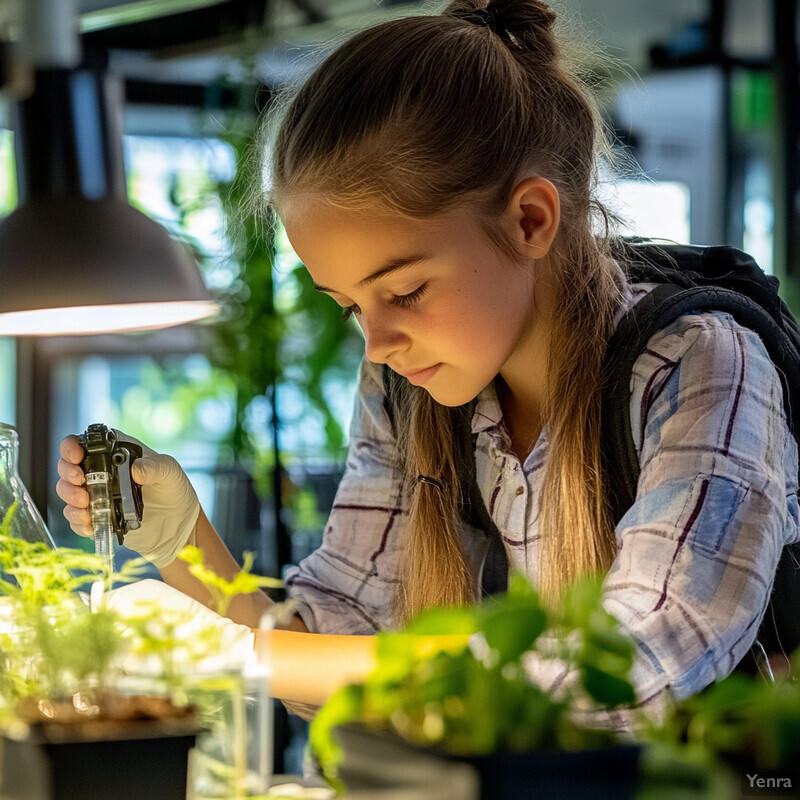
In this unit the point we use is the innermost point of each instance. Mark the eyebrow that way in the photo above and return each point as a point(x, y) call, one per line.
point(390, 266)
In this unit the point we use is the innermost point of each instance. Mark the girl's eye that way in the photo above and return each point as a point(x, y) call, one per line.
point(349, 311)
point(400, 300)
point(408, 300)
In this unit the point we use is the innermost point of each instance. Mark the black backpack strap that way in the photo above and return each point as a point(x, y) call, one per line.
point(621, 461)
point(664, 304)
point(494, 577)
point(654, 312)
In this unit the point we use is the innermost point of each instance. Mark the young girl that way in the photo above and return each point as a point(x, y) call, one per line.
point(435, 176)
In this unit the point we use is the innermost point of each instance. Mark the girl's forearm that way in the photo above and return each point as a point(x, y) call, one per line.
point(246, 609)
point(308, 667)
point(305, 667)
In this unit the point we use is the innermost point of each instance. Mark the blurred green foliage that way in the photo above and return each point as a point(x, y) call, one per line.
point(276, 331)
point(274, 334)
point(454, 681)
point(455, 678)
point(54, 647)
point(739, 726)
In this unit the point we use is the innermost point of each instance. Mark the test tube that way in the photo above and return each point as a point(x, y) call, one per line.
point(100, 510)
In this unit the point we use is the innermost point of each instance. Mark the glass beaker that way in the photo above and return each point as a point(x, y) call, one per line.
point(233, 758)
point(233, 755)
point(19, 517)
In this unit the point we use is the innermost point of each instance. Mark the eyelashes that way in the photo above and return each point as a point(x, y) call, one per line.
point(400, 301)
point(408, 300)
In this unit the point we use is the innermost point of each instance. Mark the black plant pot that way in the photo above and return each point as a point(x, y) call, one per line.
point(98, 761)
point(378, 762)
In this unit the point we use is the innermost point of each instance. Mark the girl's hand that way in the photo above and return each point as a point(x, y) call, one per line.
point(232, 648)
point(171, 506)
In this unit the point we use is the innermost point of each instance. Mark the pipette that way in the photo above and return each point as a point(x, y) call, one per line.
point(115, 499)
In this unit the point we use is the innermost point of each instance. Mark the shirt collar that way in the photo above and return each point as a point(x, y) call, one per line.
point(488, 413)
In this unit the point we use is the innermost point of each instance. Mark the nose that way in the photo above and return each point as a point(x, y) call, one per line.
point(382, 337)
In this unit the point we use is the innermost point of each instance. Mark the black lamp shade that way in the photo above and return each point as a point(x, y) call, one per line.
point(75, 243)
point(69, 251)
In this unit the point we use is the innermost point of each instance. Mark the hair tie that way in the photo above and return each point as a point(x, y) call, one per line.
point(488, 18)
point(431, 482)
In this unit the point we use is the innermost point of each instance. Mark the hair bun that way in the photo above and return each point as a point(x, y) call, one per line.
point(488, 16)
point(531, 23)
point(525, 23)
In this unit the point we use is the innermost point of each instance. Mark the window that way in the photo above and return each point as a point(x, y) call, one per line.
point(658, 209)
point(8, 200)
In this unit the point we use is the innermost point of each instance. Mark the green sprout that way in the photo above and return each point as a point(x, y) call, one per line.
point(51, 644)
point(223, 591)
point(156, 634)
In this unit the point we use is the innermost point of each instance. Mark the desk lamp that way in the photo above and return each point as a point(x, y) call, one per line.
point(75, 257)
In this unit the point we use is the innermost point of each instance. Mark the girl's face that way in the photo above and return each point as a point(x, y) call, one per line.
point(435, 300)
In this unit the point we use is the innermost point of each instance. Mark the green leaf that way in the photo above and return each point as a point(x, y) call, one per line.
point(581, 600)
point(671, 771)
point(443, 621)
point(222, 590)
point(511, 631)
point(605, 688)
point(343, 706)
point(511, 623)
point(520, 586)
point(735, 692)
point(609, 638)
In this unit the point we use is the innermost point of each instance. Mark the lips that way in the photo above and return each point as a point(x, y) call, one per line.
point(419, 376)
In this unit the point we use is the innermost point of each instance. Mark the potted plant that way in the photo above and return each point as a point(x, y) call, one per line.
point(451, 690)
point(233, 758)
point(449, 711)
point(64, 722)
point(105, 693)
point(738, 737)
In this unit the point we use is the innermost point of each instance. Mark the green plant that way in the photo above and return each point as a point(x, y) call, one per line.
point(278, 330)
point(160, 650)
point(223, 591)
point(740, 726)
point(53, 647)
point(455, 679)
point(64, 650)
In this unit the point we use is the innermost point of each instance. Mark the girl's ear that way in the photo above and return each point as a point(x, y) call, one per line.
point(534, 211)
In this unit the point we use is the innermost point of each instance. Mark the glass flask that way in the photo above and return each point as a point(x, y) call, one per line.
point(19, 516)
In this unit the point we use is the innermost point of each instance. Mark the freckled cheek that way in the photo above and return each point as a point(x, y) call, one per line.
point(491, 288)
point(465, 325)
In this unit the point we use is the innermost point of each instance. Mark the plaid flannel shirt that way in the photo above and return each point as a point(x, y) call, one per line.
point(696, 553)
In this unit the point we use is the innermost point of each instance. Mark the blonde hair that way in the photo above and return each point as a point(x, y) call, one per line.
point(421, 114)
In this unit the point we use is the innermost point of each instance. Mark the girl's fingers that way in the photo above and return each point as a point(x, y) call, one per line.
point(70, 487)
point(79, 520)
point(72, 495)
point(70, 472)
point(71, 449)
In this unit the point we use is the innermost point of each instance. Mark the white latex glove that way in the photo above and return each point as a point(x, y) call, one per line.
point(171, 506)
point(233, 643)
